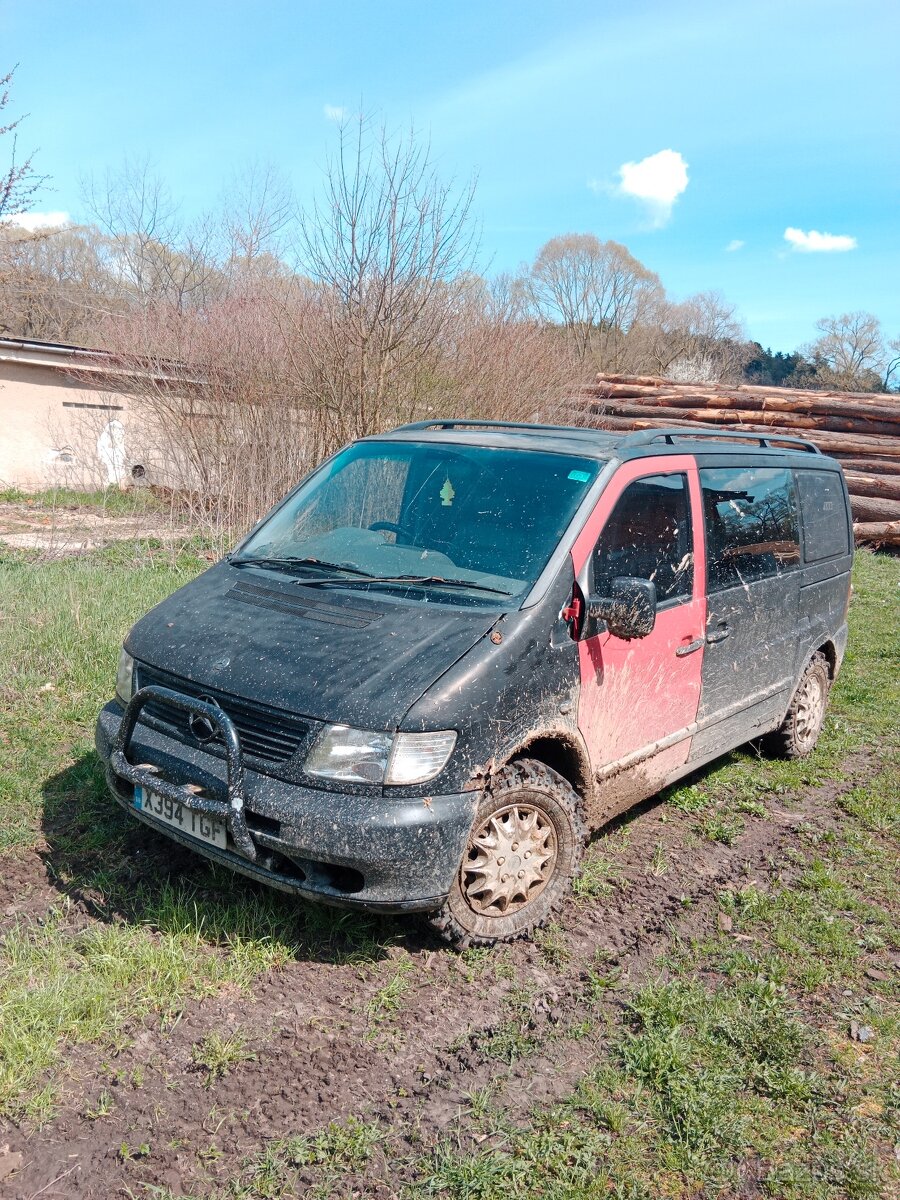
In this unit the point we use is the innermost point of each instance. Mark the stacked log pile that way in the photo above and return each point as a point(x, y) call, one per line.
point(860, 429)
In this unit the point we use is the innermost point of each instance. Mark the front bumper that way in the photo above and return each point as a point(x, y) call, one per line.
point(392, 854)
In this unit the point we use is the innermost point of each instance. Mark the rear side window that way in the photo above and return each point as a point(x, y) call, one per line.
point(648, 536)
point(825, 530)
point(751, 524)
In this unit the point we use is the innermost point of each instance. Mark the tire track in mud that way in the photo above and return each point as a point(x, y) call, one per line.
point(320, 1056)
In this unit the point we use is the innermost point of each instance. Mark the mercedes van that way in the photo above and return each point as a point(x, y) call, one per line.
point(455, 650)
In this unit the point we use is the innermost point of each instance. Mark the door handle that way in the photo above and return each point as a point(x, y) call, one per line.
point(682, 651)
point(721, 633)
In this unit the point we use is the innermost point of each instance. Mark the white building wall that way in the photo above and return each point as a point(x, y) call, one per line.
point(56, 430)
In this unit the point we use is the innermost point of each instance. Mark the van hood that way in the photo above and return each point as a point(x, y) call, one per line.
point(331, 653)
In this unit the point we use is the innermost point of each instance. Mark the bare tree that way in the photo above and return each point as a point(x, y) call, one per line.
point(20, 183)
point(595, 289)
point(713, 346)
point(659, 338)
point(155, 255)
point(387, 246)
point(892, 364)
point(259, 208)
point(850, 354)
point(55, 282)
point(500, 364)
point(699, 340)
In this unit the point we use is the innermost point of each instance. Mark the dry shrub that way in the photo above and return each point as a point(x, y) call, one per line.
point(240, 401)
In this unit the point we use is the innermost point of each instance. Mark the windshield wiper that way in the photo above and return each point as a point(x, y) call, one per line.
point(364, 576)
point(415, 580)
point(263, 561)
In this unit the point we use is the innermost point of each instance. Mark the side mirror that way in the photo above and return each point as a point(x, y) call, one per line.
point(630, 610)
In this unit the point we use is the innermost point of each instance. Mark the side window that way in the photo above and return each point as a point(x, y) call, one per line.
point(825, 530)
point(751, 524)
point(648, 535)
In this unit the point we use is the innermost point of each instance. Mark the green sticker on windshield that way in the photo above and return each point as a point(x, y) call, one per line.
point(580, 476)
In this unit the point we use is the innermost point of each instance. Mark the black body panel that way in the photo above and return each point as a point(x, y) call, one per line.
point(504, 694)
point(772, 626)
point(328, 653)
point(755, 663)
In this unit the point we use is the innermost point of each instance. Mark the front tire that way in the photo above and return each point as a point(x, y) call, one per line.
point(798, 733)
point(526, 843)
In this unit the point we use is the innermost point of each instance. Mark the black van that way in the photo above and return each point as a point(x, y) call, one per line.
point(455, 649)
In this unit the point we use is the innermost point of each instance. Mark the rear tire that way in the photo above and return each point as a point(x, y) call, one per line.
point(526, 843)
point(798, 733)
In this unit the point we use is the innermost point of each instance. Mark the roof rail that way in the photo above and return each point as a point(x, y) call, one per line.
point(475, 423)
point(645, 437)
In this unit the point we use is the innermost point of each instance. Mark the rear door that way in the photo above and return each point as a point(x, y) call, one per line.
point(638, 698)
point(752, 559)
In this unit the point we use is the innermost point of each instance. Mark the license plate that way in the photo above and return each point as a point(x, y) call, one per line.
point(188, 820)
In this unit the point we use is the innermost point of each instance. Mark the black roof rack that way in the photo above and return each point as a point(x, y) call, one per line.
point(645, 437)
point(475, 423)
point(626, 440)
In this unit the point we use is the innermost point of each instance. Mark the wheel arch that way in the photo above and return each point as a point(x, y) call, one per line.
point(829, 650)
point(562, 751)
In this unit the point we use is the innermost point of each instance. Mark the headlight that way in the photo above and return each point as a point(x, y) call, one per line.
point(358, 756)
point(418, 757)
point(352, 755)
point(125, 677)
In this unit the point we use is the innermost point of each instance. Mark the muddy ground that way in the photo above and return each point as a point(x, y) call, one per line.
point(322, 1052)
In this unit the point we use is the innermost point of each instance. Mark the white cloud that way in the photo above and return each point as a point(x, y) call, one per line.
point(38, 220)
point(814, 241)
point(656, 181)
point(334, 112)
point(735, 244)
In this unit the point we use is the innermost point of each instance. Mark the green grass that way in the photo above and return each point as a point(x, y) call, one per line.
point(552, 943)
point(387, 1000)
point(217, 1054)
point(600, 874)
point(876, 804)
point(61, 985)
point(698, 1080)
point(735, 1058)
point(166, 938)
point(111, 501)
point(340, 1148)
point(515, 1036)
point(61, 628)
point(732, 1061)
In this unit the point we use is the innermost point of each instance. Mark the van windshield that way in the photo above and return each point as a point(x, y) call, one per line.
point(428, 512)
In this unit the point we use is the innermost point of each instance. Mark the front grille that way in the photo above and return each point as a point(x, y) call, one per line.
point(264, 733)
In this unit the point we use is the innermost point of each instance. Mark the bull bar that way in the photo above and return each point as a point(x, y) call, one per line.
point(229, 810)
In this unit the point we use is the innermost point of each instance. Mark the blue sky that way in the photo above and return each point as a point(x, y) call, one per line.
point(786, 115)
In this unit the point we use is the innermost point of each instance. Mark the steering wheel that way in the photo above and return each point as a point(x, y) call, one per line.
point(389, 527)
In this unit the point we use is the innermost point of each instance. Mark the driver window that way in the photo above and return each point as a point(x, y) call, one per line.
point(648, 536)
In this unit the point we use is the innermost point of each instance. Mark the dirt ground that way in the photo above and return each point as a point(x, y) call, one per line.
point(319, 1056)
point(58, 531)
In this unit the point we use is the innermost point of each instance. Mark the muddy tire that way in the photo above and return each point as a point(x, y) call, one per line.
point(526, 843)
point(798, 733)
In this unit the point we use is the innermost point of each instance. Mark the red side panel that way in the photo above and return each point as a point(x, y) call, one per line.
point(637, 693)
